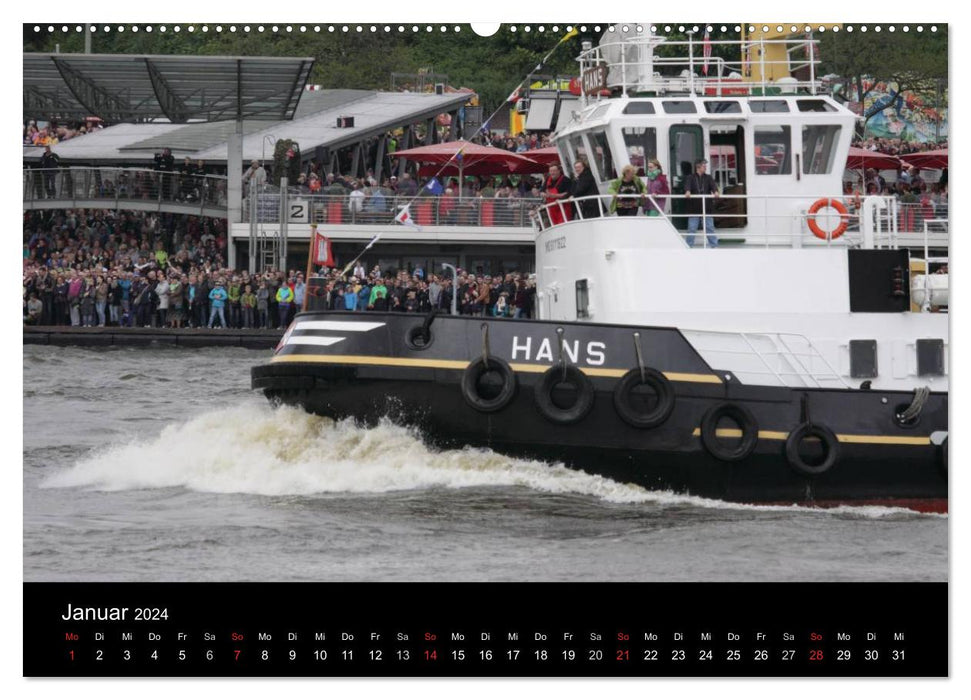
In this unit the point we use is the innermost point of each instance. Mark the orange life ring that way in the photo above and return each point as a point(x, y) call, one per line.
point(814, 227)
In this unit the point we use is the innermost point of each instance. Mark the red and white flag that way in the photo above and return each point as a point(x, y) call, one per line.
point(323, 256)
point(706, 51)
point(404, 217)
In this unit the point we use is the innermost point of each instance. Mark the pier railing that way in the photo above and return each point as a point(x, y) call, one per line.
point(124, 188)
point(381, 210)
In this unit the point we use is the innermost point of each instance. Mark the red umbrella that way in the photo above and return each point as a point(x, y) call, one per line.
point(545, 156)
point(862, 159)
point(459, 155)
point(927, 159)
point(451, 170)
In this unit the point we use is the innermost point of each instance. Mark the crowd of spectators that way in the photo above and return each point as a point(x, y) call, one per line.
point(512, 295)
point(366, 199)
point(53, 133)
point(140, 269)
point(898, 147)
point(522, 143)
point(920, 198)
point(92, 248)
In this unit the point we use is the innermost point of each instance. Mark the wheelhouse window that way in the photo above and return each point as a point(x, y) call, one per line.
point(815, 106)
point(639, 108)
point(599, 112)
point(578, 149)
point(602, 157)
point(713, 107)
point(762, 106)
point(641, 145)
point(679, 107)
point(773, 150)
point(819, 149)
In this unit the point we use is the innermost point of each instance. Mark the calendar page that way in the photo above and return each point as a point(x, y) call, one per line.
point(547, 349)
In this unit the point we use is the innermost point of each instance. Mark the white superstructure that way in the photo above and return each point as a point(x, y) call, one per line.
point(775, 303)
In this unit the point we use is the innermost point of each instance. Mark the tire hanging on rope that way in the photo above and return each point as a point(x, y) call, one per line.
point(564, 374)
point(472, 390)
point(824, 435)
point(743, 418)
point(633, 415)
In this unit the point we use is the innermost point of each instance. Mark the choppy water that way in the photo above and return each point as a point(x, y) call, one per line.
point(162, 464)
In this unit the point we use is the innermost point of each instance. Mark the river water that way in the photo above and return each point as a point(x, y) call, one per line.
point(163, 465)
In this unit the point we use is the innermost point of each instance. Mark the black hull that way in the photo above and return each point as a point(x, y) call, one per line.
point(376, 374)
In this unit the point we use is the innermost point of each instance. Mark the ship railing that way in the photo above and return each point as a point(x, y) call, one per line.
point(895, 223)
point(791, 359)
point(344, 210)
point(630, 66)
point(114, 188)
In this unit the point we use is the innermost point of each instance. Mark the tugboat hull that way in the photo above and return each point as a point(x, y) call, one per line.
point(665, 421)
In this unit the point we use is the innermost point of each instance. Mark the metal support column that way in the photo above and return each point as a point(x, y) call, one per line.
point(284, 221)
point(253, 216)
point(234, 185)
point(404, 145)
point(356, 160)
point(453, 128)
point(379, 158)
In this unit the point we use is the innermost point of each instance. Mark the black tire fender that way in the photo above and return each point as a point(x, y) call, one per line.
point(470, 384)
point(816, 430)
point(543, 395)
point(745, 420)
point(625, 408)
point(942, 456)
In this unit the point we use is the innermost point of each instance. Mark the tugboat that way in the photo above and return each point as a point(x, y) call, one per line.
point(794, 356)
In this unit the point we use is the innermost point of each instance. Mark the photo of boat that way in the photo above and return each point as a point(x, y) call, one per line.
point(797, 356)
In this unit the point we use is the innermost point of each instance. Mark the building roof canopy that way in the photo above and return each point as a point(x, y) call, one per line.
point(127, 88)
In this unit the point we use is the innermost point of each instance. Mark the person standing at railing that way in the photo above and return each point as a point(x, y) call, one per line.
point(218, 298)
point(114, 301)
point(407, 187)
point(584, 188)
point(165, 164)
point(299, 291)
point(101, 299)
point(700, 190)
point(557, 188)
point(262, 305)
point(254, 178)
point(628, 191)
point(657, 188)
point(284, 299)
point(248, 302)
point(185, 179)
point(177, 284)
point(355, 201)
point(75, 289)
point(50, 163)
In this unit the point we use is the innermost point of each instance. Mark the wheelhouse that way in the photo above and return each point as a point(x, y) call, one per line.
point(758, 148)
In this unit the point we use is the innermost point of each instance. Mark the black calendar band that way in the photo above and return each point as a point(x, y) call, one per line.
point(486, 629)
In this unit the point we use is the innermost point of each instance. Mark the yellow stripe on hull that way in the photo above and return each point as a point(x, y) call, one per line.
point(857, 439)
point(462, 364)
